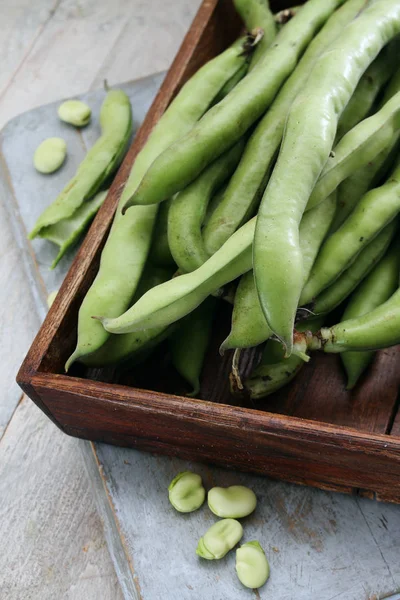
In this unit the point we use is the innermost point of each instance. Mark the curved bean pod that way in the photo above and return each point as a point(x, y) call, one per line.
point(120, 349)
point(101, 160)
point(380, 328)
point(308, 140)
point(275, 371)
point(357, 148)
point(375, 290)
point(248, 183)
point(352, 189)
point(340, 289)
point(67, 231)
point(174, 299)
point(231, 83)
point(256, 15)
point(116, 280)
point(375, 77)
point(189, 343)
point(229, 120)
point(188, 210)
point(375, 210)
point(160, 253)
point(249, 327)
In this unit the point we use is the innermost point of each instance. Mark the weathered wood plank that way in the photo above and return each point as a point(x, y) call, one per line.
point(130, 480)
point(51, 535)
point(86, 42)
point(319, 544)
point(22, 23)
point(20, 320)
point(396, 425)
point(369, 407)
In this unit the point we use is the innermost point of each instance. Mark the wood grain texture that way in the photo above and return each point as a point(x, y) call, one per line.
point(319, 393)
point(51, 535)
point(81, 43)
point(51, 49)
point(319, 544)
point(343, 459)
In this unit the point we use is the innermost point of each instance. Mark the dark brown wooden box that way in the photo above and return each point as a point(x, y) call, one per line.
point(312, 432)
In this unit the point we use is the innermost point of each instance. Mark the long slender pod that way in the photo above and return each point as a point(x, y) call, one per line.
point(379, 328)
point(370, 85)
point(308, 140)
point(174, 299)
point(249, 327)
point(188, 210)
point(120, 349)
point(340, 289)
point(67, 231)
point(227, 122)
point(130, 237)
point(352, 189)
point(247, 185)
point(189, 343)
point(375, 210)
point(357, 148)
point(381, 283)
point(160, 253)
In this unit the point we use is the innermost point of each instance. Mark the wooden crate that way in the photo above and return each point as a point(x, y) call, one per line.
point(312, 432)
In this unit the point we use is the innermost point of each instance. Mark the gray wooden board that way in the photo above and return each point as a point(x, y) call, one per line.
point(320, 545)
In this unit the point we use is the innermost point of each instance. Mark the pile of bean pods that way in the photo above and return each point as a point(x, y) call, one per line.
point(275, 167)
point(187, 494)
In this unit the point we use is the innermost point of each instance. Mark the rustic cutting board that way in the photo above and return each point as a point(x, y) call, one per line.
point(320, 545)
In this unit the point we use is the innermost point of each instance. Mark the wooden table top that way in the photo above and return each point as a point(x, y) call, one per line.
point(324, 545)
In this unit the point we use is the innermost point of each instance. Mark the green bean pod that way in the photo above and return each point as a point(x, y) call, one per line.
point(379, 328)
point(99, 163)
point(375, 210)
point(214, 203)
point(160, 253)
point(249, 326)
point(231, 83)
point(66, 232)
point(174, 299)
point(357, 148)
point(188, 210)
point(248, 183)
point(256, 15)
point(307, 143)
point(352, 189)
point(130, 237)
point(340, 289)
point(377, 288)
point(121, 349)
point(371, 83)
point(229, 120)
point(275, 371)
point(189, 343)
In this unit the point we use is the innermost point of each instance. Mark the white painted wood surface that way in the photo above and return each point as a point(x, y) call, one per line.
point(321, 546)
point(52, 540)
